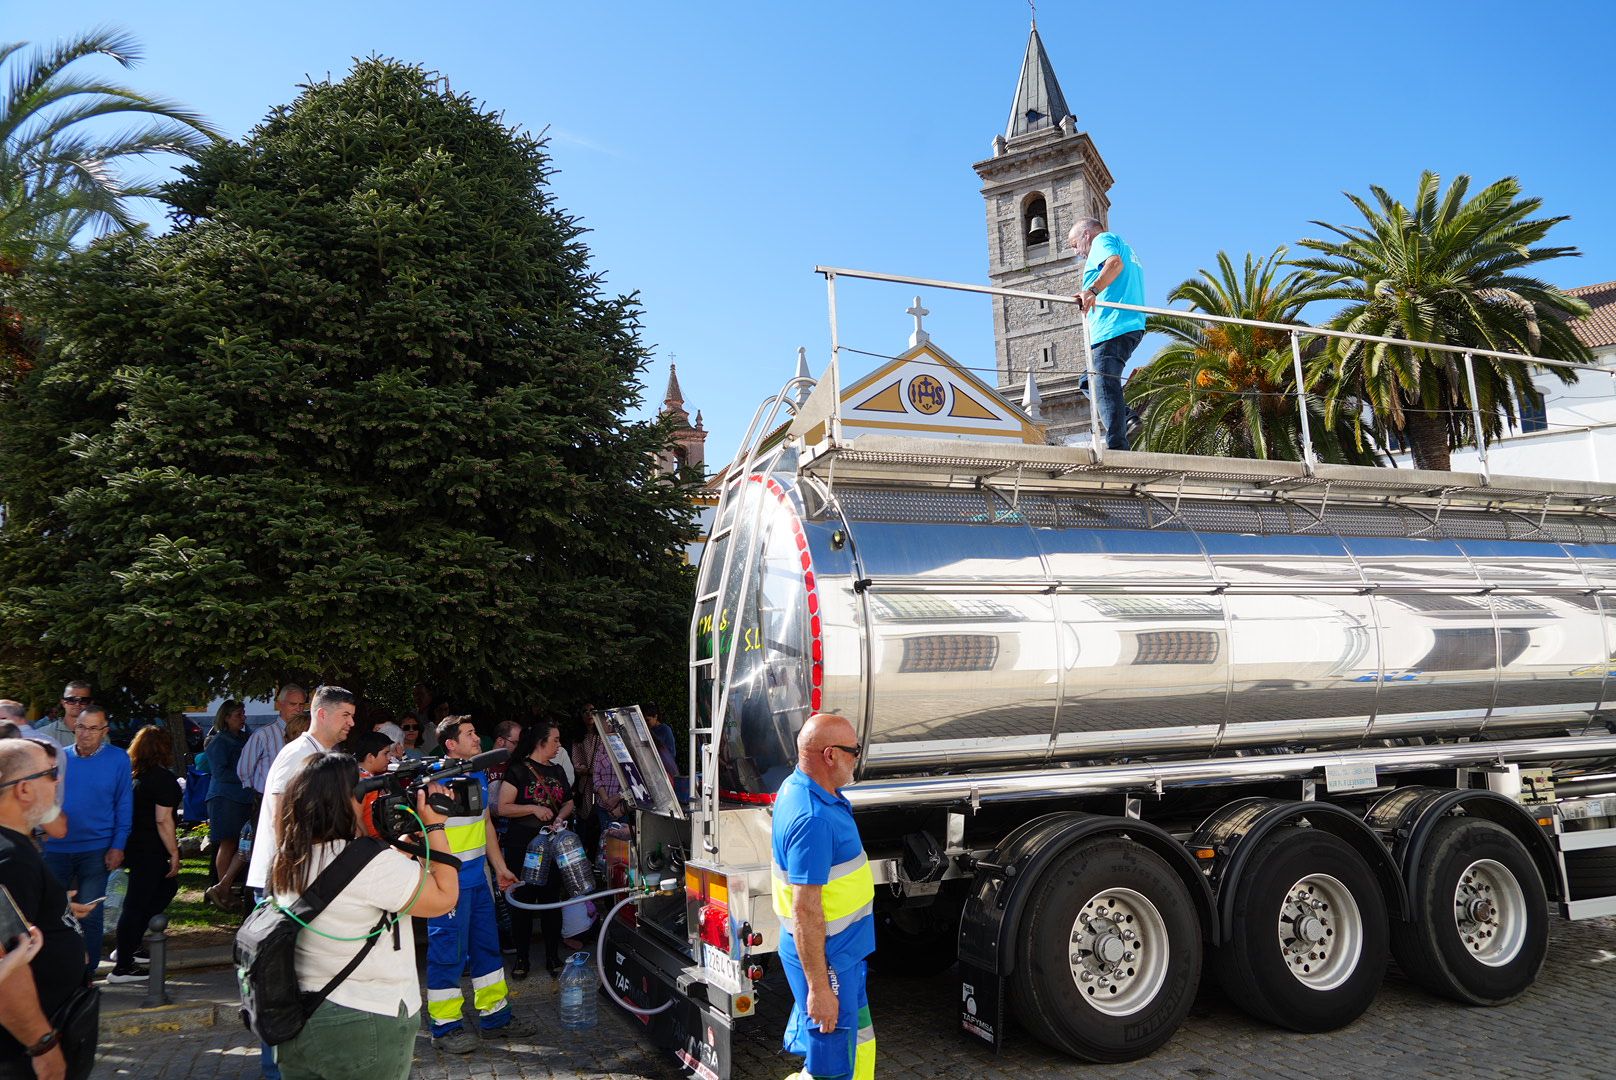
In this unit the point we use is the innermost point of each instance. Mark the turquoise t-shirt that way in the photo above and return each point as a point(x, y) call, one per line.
point(1128, 288)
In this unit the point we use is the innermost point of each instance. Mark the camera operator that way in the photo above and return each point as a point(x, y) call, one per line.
point(366, 1028)
point(468, 937)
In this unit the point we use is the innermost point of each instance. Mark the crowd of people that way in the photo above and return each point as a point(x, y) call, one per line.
point(281, 805)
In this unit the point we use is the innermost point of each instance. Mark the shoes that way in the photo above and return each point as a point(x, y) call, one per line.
point(459, 1041)
point(127, 975)
point(518, 1028)
point(554, 970)
point(141, 958)
point(520, 969)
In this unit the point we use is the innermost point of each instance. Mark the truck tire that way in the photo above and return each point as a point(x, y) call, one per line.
point(1110, 953)
point(1480, 928)
point(1309, 935)
point(1591, 874)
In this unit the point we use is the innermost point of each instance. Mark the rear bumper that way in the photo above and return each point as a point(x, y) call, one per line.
point(647, 973)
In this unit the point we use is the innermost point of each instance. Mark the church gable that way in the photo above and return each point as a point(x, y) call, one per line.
point(926, 392)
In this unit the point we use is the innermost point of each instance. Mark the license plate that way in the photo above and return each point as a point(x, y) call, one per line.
point(722, 970)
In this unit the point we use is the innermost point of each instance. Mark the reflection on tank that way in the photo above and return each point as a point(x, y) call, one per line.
point(957, 631)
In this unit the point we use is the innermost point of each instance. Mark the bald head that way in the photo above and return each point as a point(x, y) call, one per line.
point(828, 750)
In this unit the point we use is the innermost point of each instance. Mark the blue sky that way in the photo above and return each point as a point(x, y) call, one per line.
point(719, 151)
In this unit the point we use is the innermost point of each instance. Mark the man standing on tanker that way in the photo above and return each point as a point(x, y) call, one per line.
point(823, 895)
point(1110, 273)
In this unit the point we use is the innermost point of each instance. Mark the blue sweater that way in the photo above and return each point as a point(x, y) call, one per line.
point(99, 801)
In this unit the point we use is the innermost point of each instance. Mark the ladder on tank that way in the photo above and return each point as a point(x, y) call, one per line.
point(756, 457)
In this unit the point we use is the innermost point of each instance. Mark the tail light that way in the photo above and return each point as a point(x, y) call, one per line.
point(715, 925)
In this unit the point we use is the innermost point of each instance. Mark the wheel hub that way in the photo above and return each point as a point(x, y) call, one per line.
point(1119, 951)
point(1320, 932)
point(1489, 911)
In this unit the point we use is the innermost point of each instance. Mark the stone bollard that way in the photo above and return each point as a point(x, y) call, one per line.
point(156, 942)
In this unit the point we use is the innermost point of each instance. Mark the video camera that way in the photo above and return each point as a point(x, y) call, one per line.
point(391, 810)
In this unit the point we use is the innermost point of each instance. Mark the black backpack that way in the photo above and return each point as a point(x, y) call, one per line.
point(272, 1006)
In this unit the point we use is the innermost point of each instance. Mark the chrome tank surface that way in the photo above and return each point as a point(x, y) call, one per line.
point(963, 628)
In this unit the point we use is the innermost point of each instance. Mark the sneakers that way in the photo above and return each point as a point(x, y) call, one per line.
point(458, 1041)
point(127, 975)
point(141, 959)
point(518, 1028)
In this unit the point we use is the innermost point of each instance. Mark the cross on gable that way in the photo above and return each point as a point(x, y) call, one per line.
point(919, 336)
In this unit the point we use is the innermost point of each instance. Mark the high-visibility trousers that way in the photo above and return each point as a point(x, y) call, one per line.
point(466, 941)
point(849, 1051)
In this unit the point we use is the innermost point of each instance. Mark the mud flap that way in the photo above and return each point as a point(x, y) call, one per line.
point(646, 974)
point(982, 1005)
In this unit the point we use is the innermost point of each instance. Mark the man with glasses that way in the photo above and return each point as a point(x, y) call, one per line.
point(29, 1045)
point(100, 807)
point(823, 896)
point(76, 697)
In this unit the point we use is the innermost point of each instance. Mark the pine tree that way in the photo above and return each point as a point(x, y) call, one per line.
point(359, 415)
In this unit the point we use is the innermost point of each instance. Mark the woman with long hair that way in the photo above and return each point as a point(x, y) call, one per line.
point(229, 800)
point(152, 852)
point(534, 795)
point(365, 1029)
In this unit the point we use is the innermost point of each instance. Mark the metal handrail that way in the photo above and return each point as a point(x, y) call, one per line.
point(1297, 328)
point(1296, 331)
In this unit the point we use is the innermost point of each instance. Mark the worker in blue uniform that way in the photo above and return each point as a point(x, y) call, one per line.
point(823, 896)
point(466, 940)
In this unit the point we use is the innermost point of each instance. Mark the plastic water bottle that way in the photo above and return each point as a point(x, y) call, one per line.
point(536, 861)
point(117, 887)
point(573, 862)
point(578, 993)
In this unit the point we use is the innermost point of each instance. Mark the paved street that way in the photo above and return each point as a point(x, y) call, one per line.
point(1566, 1027)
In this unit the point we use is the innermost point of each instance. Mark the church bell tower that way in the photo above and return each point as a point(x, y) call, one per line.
point(1044, 175)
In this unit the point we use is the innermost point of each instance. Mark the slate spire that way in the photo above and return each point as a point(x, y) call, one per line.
point(1039, 104)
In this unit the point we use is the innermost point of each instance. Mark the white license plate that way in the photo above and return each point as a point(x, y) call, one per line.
point(722, 970)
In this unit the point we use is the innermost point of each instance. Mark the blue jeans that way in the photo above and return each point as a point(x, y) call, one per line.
point(1110, 357)
point(85, 871)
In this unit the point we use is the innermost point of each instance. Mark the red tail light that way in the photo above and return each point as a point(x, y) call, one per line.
point(715, 926)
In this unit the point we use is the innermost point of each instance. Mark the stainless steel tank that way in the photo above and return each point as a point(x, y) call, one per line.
point(958, 630)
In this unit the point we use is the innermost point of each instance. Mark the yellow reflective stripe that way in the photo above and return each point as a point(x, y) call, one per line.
point(849, 893)
point(443, 1004)
point(842, 869)
point(836, 926)
point(467, 838)
point(491, 998)
point(864, 1057)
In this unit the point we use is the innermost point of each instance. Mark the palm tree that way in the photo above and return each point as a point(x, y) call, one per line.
point(59, 169)
point(1229, 390)
point(1446, 271)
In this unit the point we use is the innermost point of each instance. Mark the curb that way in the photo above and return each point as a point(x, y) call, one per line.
point(162, 1020)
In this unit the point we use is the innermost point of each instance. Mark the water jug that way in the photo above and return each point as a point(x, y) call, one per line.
point(536, 862)
point(578, 992)
point(573, 863)
point(117, 887)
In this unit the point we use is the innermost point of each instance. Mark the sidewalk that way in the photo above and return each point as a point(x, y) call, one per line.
point(200, 1036)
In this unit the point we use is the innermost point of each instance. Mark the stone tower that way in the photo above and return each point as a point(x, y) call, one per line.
point(689, 447)
point(1043, 176)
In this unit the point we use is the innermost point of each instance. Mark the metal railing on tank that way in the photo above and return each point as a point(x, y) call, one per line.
point(1295, 331)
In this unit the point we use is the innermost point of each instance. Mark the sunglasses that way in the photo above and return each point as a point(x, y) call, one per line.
point(854, 750)
point(77, 700)
point(53, 772)
point(410, 727)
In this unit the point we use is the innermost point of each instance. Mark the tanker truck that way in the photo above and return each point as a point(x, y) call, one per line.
point(1132, 721)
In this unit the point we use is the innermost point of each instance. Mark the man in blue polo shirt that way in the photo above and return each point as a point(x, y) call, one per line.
point(823, 895)
point(1110, 273)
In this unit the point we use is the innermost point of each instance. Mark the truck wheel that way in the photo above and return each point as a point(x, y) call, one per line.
point(1308, 944)
point(1480, 931)
point(1111, 953)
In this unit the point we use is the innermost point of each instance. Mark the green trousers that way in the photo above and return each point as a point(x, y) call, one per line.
point(339, 1043)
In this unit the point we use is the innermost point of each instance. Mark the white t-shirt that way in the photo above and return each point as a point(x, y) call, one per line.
point(386, 978)
point(287, 762)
